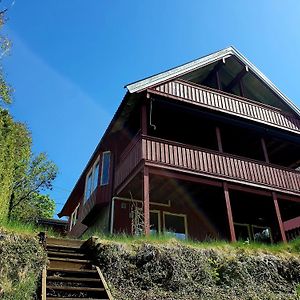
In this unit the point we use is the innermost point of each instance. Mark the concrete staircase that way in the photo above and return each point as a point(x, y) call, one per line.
point(70, 275)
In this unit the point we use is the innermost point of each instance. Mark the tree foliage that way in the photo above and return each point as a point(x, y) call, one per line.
point(36, 177)
point(36, 206)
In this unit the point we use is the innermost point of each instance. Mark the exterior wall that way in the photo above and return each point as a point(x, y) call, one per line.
point(197, 228)
point(101, 222)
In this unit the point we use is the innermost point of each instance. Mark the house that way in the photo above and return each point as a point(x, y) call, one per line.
point(207, 150)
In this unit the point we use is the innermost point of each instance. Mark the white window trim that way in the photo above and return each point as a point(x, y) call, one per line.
point(74, 217)
point(102, 165)
point(184, 216)
point(91, 171)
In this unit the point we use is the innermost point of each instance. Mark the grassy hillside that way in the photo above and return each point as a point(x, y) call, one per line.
point(21, 262)
point(169, 269)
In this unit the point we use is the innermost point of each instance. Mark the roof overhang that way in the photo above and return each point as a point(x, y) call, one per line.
point(143, 84)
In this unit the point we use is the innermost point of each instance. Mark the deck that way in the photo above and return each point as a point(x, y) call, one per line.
point(175, 156)
point(227, 103)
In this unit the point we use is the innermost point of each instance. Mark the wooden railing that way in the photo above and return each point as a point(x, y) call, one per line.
point(129, 161)
point(168, 154)
point(220, 165)
point(224, 102)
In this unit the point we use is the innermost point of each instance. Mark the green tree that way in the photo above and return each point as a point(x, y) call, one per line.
point(15, 144)
point(35, 207)
point(38, 176)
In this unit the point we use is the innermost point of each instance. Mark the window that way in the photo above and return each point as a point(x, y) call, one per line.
point(91, 181)
point(95, 175)
point(105, 168)
point(154, 222)
point(175, 224)
point(74, 216)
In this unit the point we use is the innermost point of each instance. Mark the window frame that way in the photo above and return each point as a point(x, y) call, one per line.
point(74, 217)
point(184, 216)
point(158, 212)
point(102, 168)
point(92, 173)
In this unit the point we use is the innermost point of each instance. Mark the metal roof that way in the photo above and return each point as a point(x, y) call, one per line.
point(201, 62)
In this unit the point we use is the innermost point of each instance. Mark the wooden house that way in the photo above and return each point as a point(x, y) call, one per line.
point(206, 150)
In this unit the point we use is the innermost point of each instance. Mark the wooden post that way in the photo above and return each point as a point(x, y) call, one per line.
point(219, 84)
point(229, 213)
point(278, 214)
point(226, 192)
point(264, 147)
point(144, 122)
point(44, 283)
point(219, 139)
point(146, 200)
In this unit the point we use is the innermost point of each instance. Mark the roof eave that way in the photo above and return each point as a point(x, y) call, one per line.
point(143, 84)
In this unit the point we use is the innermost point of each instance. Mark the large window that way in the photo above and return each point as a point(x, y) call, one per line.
point(105, 168)
point(91, 181)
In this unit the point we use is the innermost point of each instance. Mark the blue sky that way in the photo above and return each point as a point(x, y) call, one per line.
point(71, 59)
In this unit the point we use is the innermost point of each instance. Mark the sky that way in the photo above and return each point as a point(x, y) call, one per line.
point(70, 60)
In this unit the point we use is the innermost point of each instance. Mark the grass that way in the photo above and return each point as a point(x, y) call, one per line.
point(22, 289)
point(291, 247)
point(25, 228)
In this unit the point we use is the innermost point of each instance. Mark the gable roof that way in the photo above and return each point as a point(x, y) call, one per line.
point(204, 61)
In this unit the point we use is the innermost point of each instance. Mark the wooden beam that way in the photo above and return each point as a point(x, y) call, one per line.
point(251, 190)
point(146, 200)
point(213, 72)
point(236, 79)
point(278, 214)
point(278, 148)
point(295, 164)
point(229, 212)
point(44, 284)
point(144, 122)
point(226, 192)
point(184, 177)
point(219, 139)
point(265, 151)
point(288, 197)
point(219, 83)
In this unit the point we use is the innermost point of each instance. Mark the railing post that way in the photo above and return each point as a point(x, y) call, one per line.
point(278, 214)
point(146, 200)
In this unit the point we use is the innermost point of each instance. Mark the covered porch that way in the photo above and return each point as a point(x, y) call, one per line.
point(198, 208)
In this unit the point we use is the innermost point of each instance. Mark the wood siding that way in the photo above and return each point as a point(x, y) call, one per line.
point(130, 158)
point(176, 156)
point(227, 103)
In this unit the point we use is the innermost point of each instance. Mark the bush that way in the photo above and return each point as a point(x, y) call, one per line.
point(21, 261)
point(174, 270)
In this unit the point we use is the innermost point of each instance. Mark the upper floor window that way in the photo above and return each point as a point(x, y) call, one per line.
point(105, 168)
point(91, 180)
point(74, 216)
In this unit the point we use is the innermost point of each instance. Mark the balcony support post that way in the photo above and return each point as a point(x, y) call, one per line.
point(226, 191)
point(146, 200)
point(229, 212)
point(219, 139)
point(278, 214)
point(264, 147)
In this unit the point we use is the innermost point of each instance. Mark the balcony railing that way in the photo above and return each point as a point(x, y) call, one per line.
point(194, 160)
point(227, 103)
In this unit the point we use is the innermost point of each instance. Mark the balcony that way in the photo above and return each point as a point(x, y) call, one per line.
point(227, 103)
point(175, 156)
